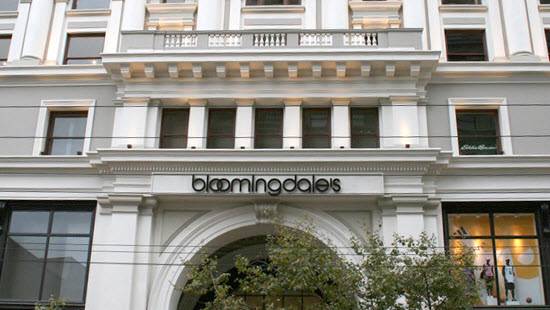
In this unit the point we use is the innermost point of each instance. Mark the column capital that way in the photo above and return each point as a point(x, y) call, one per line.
point(197, 102)
point(341, 101)
point(293, 101)
point(245, 102)
point(124, 203)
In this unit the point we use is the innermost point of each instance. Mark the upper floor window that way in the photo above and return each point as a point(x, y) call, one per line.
point(221, 129)
point(66, 133)
point(268, 129)
point(8, 5)
point(45, 252)
point(461, 1)
point(273, 2)
point(544, 1)
point(466, 45)
point(547, 31)
point(478, 132)
point(5, 42)
point(364, 128)
point(316, 128)
point(90, 4)
point(173, 133)
point(84, 48)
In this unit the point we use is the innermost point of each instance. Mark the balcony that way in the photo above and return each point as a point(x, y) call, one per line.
point(270, 54)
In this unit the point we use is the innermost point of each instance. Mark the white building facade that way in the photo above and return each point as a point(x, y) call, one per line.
point(136, 134)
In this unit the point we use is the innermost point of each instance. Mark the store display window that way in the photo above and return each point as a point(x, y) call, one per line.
point(507, 268)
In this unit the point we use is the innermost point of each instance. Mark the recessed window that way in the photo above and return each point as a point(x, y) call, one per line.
point(273, 2)
point(364, 128)
point(544, 1)
point(506, 253)
point(466, 45)
point(84, 48)
point(175, 123)
point(478, 132)
point(221, 129)
point(90, 4)
point(547, 32)
point(461, 1)
point(5, 42)
point(46, 253)
point(66, 133)
point(316, 128)
point(268, 129)
point(8, 5)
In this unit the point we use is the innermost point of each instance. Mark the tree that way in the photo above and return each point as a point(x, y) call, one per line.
point(53, 304)
point(409, 274)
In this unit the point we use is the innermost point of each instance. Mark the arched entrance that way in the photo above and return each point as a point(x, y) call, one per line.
point(219, 228)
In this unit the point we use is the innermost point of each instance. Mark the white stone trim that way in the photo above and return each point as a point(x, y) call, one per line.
point(46, 106)
point(499, 104)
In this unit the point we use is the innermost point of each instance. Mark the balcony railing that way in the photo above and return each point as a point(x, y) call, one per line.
point(188, 40)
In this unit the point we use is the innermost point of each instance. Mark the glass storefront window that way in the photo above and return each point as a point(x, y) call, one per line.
point(507, 256)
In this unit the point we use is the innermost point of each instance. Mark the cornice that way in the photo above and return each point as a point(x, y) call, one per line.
point(475, 72)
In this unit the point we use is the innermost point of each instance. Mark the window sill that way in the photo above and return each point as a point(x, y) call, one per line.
point(8, 14)
point(544, 8)
point(273, 9)
point(89, 12)
point(465, 8)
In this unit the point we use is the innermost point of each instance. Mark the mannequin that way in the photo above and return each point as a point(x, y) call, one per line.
point(509, 276)
point(488, 275)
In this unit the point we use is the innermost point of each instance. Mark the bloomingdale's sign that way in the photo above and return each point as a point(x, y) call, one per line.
point(274, 186)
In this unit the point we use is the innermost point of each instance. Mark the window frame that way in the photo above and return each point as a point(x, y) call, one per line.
point(328, 134)
point(466, 30)
point(262, 3)
point(74, 6)
point(209, 135)
point(51, 124)
point(278, 134)
point(475, 2)
point(70, 35)
point(51, 207)
point(492, 208)
point(49, 106)
point(497, 129)
point(499, 104)
point(163, 136)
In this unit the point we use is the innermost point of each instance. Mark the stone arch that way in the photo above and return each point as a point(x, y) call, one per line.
point(221, 227)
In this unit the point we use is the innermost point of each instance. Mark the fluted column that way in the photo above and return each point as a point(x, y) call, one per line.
point(518, 34)
point(38, 29)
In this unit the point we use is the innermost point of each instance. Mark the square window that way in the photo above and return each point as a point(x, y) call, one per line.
point(478, 132)
point(46, 252)
point(466, 45)
point(90, 4)
point(5, 42)
point(66, 133)
point(221, 129)
point(364, 128)
point(9, 5)
point(84, 48)
point(173, 133)
point(268, 129)
point(316, 128)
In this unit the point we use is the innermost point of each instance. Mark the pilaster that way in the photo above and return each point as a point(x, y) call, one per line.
point(335, 14)
point(18, 35)
point(414, 16)
point(341, 130)
point(292, 124)
point(38, 29)
point(112, 34)
point(56, 34)
point(210, 14)
point(130, 123)
point(518, 35)
point(197, 124)
point(403, 123)
point(133, 16)
point(244, 128)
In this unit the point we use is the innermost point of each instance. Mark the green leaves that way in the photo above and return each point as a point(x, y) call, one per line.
point(408, 274)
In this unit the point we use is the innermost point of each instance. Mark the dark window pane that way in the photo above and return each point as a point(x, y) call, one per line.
point(5, 42)
point(71, 222)
point(268, 129)
point(466, 45)
point(364, 128)
point(22, 268)
point(66, 268)
point(478, 132)
point(461, 1)
point(8, 5)
point(175, 124)
point(66, 133)
point(548, 39)
point(221, 129)
point(316, 126)
point(544, 1)
point(91, 4)
point(29, 222)
point(84, 48)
